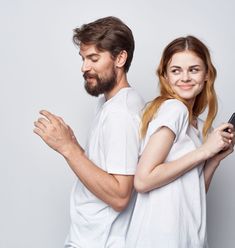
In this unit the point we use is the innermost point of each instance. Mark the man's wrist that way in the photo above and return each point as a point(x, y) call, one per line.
point(72, 150)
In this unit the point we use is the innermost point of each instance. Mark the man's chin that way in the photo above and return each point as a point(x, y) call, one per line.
point(92, 91)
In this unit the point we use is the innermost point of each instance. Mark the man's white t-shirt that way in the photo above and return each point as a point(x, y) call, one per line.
point(174, 215)
point(113, 145)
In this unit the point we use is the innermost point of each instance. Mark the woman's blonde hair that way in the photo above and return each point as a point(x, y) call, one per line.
point(207, 98)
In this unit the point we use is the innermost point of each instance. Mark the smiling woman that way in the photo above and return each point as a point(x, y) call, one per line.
point(176, 167)
point(206, 98)
point(186, 73)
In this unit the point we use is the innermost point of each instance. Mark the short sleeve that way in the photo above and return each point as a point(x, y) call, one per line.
point(172, 114)
point(121, 142)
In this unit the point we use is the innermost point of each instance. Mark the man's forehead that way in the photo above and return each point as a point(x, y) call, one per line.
point(88, 49)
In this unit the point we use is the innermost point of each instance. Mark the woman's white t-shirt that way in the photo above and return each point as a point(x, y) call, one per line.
point(172, 216)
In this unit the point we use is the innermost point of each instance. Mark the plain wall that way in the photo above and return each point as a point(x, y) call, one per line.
point(40, 68)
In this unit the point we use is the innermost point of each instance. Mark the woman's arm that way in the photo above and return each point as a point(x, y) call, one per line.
point(212, 164)
point(153, 173)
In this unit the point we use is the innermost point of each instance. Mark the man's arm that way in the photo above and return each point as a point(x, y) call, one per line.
point(115, 190)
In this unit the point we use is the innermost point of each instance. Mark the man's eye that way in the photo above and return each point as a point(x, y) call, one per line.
point(94, 59)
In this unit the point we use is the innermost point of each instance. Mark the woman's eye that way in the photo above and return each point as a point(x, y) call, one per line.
point(194, 70)
point(175, 71)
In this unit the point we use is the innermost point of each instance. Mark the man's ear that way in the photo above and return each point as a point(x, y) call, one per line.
point(121, 59)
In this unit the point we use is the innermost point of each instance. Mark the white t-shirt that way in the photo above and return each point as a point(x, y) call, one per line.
point(174, 215)
point(114, 146)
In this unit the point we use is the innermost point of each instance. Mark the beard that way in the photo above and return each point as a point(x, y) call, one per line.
point(102, 85)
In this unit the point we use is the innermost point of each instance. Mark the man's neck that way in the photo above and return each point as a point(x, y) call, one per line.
point(121, 83)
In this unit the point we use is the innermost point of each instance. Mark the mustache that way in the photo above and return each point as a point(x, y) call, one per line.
point(87, 75)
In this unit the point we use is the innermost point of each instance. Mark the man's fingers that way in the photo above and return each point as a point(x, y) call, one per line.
point(52, 118)
point(38, 131)
point(43, 122)
point(40, 125)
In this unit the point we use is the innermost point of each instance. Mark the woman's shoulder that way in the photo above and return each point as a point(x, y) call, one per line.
point(174, 106)
point(172, 114)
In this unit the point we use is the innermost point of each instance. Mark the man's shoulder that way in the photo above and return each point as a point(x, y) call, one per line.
point(127, 100)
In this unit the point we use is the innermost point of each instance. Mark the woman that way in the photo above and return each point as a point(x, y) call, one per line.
point(176, 166)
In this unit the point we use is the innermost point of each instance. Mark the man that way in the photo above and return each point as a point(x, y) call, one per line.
point(102, 199)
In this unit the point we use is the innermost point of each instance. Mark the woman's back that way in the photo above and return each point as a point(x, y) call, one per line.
point(174, 215)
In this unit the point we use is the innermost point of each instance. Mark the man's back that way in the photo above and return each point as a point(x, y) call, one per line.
point(113, 145)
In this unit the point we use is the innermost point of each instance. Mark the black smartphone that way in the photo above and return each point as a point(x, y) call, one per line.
point(232, 121)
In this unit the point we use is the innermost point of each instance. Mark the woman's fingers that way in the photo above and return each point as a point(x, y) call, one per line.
point(224, 126)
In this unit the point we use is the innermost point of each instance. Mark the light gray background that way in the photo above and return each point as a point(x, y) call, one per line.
point(40, 68)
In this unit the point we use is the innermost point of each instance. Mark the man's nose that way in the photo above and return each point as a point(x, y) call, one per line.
point(85, 66)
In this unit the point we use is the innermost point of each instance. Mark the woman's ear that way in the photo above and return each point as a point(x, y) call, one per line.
point(165, 76)
point(121, 59)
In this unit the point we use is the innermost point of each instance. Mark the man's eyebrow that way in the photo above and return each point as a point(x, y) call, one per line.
point(93, 55)
point(90, 55)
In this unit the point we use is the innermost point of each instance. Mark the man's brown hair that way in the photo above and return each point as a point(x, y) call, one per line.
point(107, 34)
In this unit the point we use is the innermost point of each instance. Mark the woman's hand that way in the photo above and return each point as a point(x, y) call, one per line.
point(219, 142)
point(225, 152)
point(212, 163)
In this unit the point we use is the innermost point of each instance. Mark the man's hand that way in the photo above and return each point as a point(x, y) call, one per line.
point(56, 133)
point(114, 190)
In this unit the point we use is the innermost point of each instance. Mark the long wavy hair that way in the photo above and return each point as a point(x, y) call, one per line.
point(207, 97)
